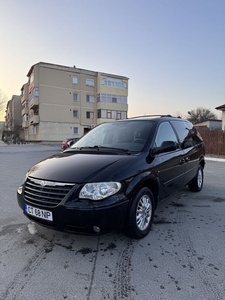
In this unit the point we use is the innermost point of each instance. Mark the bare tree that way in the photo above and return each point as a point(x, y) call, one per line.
point(200, 115)
point(178, 115)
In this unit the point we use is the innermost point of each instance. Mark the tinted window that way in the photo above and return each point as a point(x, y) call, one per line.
point(187, 134)
point(165, 133)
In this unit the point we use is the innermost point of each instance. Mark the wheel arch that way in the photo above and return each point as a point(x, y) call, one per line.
point(202, 162)
point(143, 180)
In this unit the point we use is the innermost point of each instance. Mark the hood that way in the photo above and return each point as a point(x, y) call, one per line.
point(78, 168)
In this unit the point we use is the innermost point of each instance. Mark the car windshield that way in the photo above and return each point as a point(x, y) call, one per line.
point(128, 135)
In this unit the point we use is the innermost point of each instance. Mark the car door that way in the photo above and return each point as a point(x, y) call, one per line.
point(171, 168)
point(190, 143)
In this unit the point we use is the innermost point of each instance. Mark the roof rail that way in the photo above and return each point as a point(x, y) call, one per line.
point(147, 116)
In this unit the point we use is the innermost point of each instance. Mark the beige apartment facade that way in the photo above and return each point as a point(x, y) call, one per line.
point(13, 113)
point(13, 121)
point(60, 102)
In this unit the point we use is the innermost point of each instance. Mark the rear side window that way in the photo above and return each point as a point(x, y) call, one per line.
point(187, 134)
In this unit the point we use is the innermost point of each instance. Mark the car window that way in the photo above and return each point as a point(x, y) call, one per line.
point(125, 135)
point(165, 133)
point(187, 134)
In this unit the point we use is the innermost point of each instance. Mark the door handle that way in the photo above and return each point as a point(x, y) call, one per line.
point(182, 161)
point(187, 158)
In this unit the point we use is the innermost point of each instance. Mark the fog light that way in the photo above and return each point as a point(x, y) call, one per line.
point(96, 229)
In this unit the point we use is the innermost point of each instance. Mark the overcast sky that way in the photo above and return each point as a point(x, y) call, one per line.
point(173, 51)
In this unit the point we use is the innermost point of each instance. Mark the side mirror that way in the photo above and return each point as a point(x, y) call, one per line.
point(166, 146)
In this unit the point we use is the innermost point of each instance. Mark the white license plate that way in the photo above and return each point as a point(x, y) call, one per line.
point(38, 213)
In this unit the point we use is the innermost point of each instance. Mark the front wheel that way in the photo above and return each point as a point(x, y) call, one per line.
point(140, 215)
point(197, 182)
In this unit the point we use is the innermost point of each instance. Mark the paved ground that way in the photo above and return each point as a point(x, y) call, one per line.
point(181, 258)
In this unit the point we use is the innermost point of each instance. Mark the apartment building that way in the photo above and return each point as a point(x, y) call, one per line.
point(12, 130)
point(59, 102)
point(13, 113)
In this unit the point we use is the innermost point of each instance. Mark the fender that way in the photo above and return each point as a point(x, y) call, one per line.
point(137, 180)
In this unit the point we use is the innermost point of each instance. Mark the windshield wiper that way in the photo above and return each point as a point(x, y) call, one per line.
point(99, 148)
point(113, 148)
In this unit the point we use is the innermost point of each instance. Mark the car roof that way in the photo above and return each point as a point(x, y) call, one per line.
point(158, 118)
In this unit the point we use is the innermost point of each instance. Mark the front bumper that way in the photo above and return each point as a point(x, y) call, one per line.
point(84, 217)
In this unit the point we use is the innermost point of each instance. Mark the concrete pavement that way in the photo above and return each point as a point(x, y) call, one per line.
point(2, 143)
point(28, 147)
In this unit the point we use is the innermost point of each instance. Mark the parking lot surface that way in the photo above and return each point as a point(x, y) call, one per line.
point(181, 258)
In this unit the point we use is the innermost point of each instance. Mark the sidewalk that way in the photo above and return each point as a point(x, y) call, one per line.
point(28, 147)
point(215, 158)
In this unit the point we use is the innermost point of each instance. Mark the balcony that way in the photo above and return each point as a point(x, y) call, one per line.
point(25, 124)
point(34, 119)
point(23, 98)
point(25, 111)
point(34, 103)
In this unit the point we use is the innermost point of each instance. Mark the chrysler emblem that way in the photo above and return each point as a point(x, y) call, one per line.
point(43, 183)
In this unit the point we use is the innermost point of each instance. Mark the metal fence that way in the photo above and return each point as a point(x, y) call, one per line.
point(214, 141)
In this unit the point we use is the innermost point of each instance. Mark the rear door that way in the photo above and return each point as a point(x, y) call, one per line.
point(171, 168)
point(190, 143)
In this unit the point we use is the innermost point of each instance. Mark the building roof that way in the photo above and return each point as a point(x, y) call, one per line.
point(74, 69)
point(221, 107)
point(207, 122)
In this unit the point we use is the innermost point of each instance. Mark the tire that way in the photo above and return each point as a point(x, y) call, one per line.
point(140, 215)
point(197, 182)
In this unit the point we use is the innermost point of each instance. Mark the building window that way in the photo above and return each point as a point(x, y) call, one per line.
point(31, 80)
point(25, 118)
point(32, 130)
point(75, 113)
point(124, 114)
point(90, 82)
point(75, 80)
point(115, 83)
point(75, 97)
point(114, 114)
point(89, 115)
point(90, 98)
point(75, 130)
point(110, 98)
point(109, 114)
point(118, 115)
point(101, 113)
point(34, 93)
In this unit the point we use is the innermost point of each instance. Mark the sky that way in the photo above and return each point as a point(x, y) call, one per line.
point(172, 51)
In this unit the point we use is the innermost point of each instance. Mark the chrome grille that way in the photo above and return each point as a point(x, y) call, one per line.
point(45, 193)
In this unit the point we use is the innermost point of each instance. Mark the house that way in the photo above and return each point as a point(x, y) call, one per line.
point(222, 108)
point(210, 125)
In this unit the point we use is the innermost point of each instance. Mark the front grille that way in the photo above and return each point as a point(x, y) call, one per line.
point(45, 193)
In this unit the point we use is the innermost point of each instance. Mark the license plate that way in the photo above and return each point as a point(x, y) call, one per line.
point(38, 213)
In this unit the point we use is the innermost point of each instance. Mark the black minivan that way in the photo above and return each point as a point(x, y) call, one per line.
point(114, 176)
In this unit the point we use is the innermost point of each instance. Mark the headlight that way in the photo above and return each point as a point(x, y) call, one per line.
point(20, 190)
point(99, 190)
point(25, 178)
